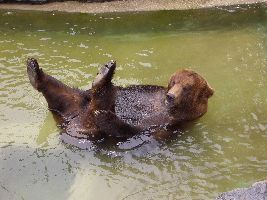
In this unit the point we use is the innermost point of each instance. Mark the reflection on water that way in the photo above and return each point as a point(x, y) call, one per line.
point(224, 149)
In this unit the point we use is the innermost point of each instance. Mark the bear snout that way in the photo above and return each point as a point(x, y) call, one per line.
point(170, 98)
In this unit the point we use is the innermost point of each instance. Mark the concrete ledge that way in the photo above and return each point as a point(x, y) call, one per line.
point(126, 5)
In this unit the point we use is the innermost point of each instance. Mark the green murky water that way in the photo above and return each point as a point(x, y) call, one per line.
point(223, 150)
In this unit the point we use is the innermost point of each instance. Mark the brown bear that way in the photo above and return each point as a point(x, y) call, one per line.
point(106, 110)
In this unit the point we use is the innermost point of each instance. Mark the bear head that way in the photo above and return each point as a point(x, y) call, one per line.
point(187, 95)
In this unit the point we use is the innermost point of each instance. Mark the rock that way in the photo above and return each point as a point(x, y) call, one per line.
point(258, 191)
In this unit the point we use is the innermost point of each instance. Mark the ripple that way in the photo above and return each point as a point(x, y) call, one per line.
point(72, 60)
point(45, 39)
point(145, 64)
point(83, 46)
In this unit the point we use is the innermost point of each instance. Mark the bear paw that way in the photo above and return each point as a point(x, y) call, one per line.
point(33, 71)
point(103, 117)
point(105, 74)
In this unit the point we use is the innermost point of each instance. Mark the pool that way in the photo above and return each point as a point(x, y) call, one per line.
point(224, 149)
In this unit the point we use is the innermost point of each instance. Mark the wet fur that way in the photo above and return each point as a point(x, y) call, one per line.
point(112, 111)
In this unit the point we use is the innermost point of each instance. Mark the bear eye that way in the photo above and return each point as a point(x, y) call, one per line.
point(187, 88)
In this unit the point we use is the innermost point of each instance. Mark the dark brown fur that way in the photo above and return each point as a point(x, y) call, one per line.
point(108, 110)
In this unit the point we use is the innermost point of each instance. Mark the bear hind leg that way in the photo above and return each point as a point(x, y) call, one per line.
point(61, 98)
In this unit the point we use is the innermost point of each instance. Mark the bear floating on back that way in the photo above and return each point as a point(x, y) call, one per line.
point(106, 110)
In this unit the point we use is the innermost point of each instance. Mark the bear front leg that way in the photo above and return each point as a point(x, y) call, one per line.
point(62, 99)
point(105, 75)
point(112, 126)
point(103, 93)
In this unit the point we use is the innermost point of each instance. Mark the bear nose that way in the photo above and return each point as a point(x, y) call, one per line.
point(170, 97)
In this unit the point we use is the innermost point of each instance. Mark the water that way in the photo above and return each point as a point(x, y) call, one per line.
point(223, 150)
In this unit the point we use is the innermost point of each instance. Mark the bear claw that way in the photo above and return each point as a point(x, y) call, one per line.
point(97, 112)
point(32, 64)
point(100, 112)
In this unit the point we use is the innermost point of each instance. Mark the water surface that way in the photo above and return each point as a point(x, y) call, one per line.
point(223, 150)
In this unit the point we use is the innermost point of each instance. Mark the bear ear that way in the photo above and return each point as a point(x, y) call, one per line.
point(210, 91)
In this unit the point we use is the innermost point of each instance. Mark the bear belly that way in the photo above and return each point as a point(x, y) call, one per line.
point(137, 103)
